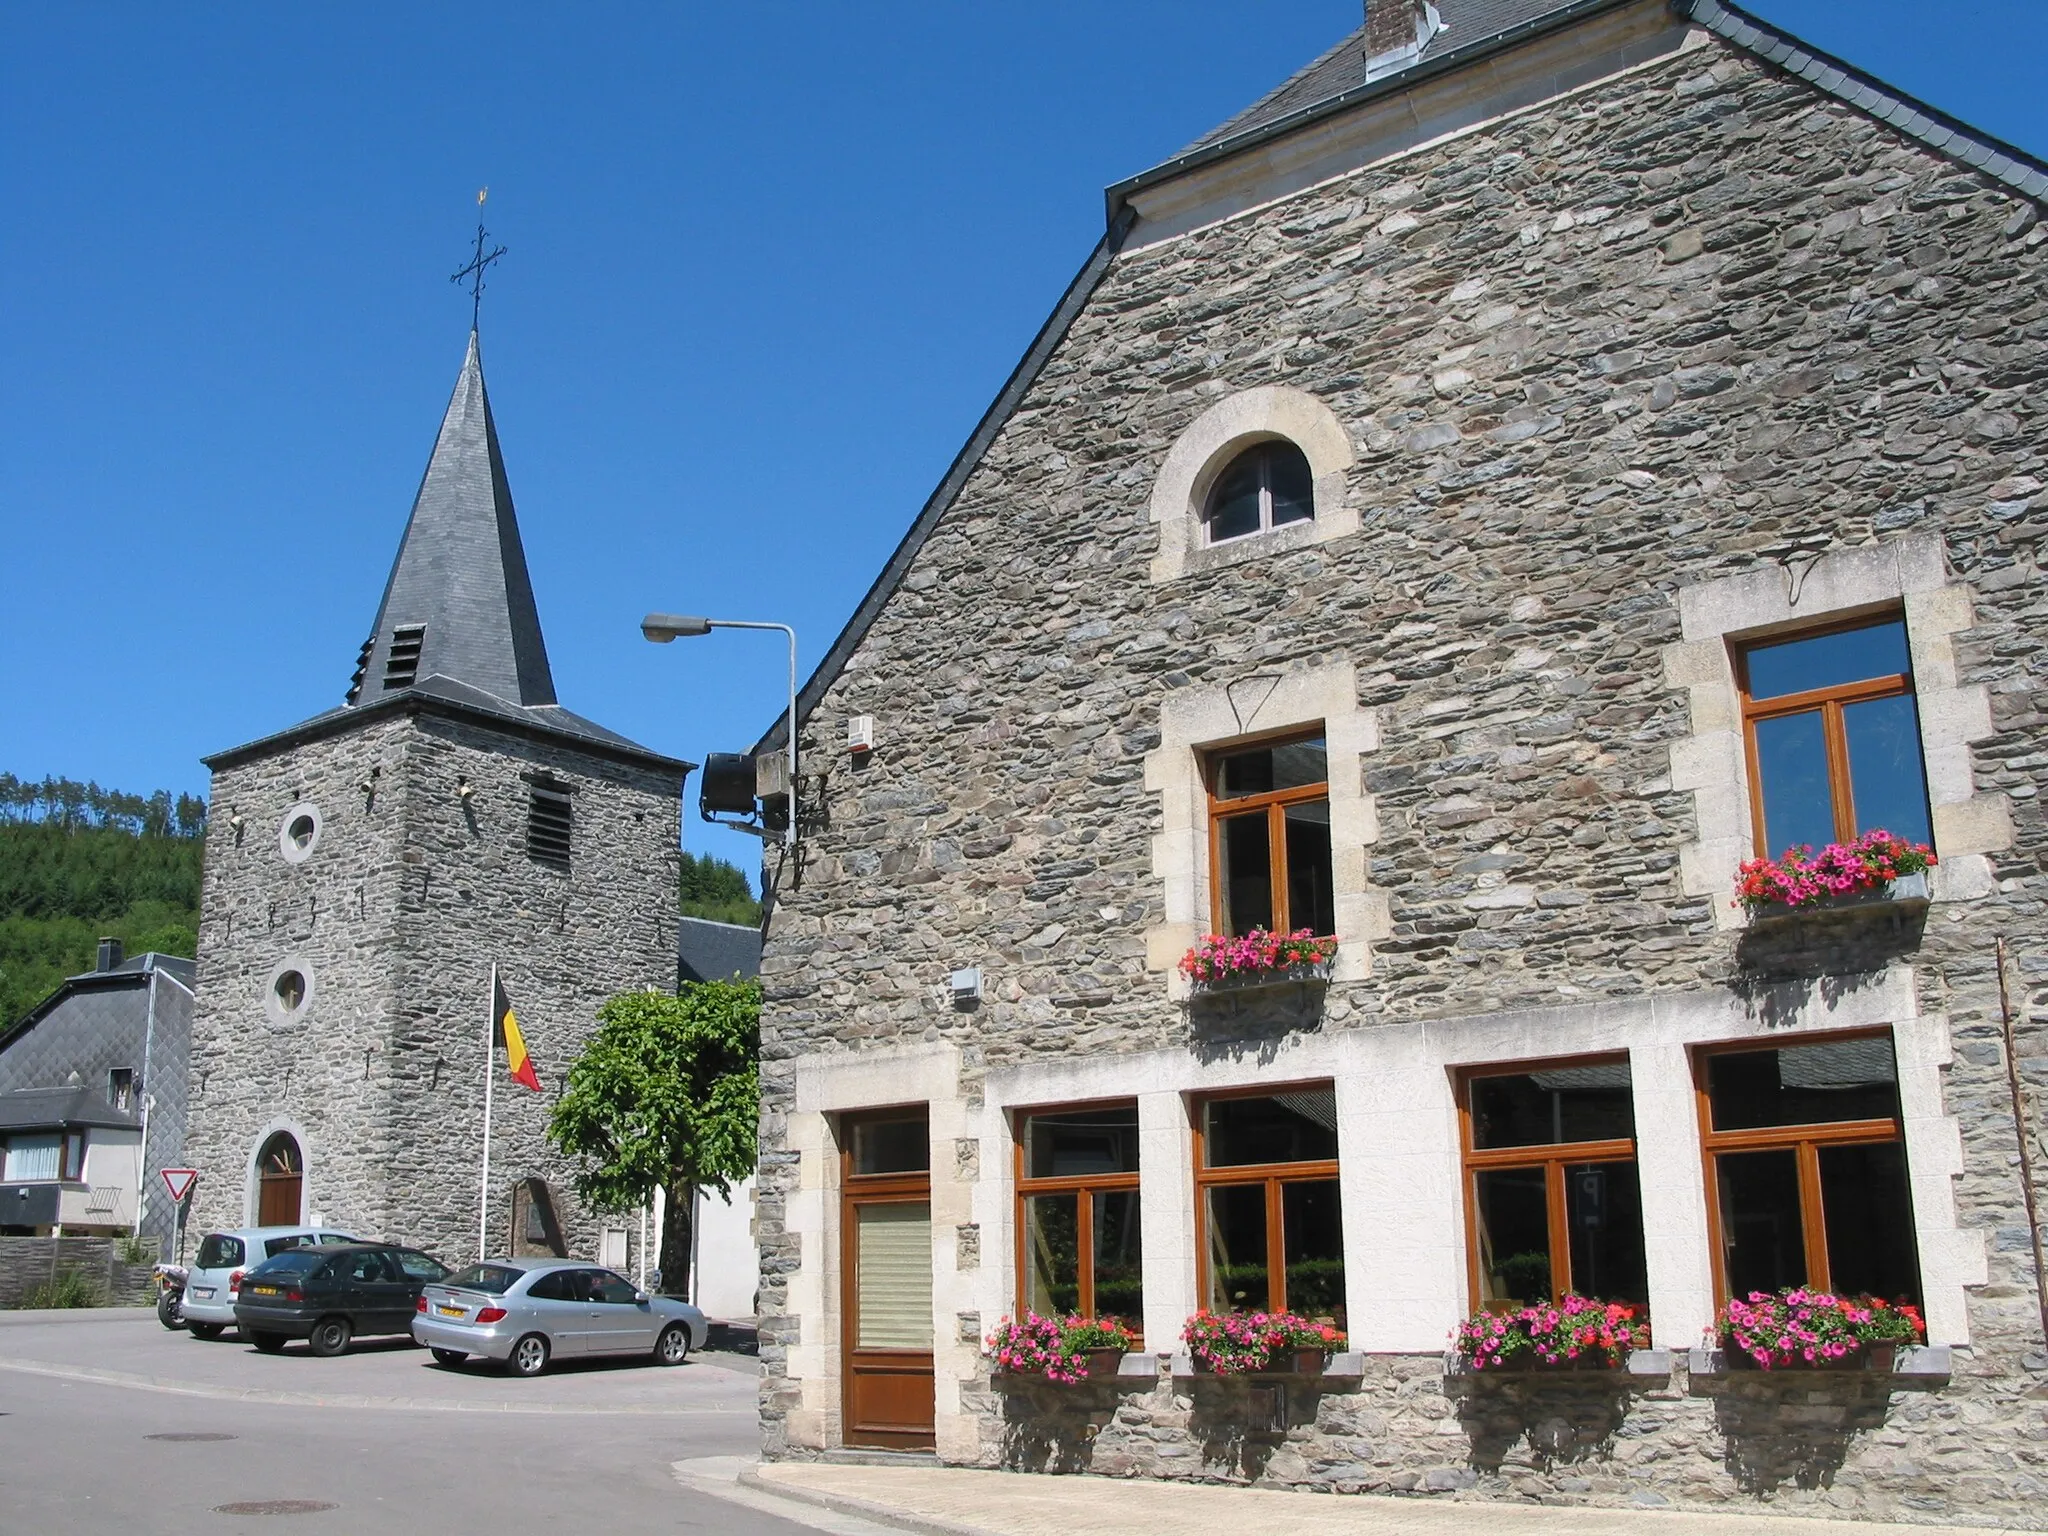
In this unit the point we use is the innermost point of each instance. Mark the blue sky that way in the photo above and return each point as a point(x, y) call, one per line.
point(768, 265)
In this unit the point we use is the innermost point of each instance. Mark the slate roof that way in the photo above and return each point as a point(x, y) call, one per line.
point(1333, 83)
point(26, 1109)
point(460, 578)
point(708, 951)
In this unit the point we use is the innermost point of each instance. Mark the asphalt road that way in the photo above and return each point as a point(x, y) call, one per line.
point(380, 1439)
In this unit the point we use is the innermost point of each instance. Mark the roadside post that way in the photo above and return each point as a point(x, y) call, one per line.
point(179, 1181)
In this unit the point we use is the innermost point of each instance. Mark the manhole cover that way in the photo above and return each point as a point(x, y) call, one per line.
point(189, 1436)
point(273, 1507)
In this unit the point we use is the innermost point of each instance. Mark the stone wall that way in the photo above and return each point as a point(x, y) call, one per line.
point(1692, 321)
point(409, 896)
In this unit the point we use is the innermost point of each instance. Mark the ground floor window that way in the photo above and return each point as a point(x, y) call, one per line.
point(1269, 1213)
point(1553, 1204)
point(1077, 1213)
point(1807, 1181)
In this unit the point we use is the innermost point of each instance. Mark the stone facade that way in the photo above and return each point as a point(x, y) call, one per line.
point(408, 896)
point(1692, 321)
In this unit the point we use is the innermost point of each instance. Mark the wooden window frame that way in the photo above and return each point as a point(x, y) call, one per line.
point(1081, 1186)
point(1805, 1140)
point(1264, 449)
point(1829, 702)
point(1274, 803)
point(1272, 1175)
point(71, 1158)
point(1551, 1157)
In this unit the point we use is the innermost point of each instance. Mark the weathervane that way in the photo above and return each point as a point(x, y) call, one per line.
point(475, 270)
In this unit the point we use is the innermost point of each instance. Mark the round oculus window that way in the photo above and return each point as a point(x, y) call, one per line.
point(299, 833)
point(288, 990)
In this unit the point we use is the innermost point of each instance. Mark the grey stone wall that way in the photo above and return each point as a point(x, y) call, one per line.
point(410, 895)
point(1637, 339)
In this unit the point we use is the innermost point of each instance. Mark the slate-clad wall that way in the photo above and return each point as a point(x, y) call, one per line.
point(406, 901)
point(1633, 340)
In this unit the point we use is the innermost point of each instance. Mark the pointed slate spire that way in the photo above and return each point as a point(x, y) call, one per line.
point(459, 604)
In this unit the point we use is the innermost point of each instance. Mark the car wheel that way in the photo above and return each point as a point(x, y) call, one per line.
point(329, 1337)
point(206, 1330)
point(673, 1347)
point(529, 1356)
point(267, 1343)
point(450, 1357)
point(169, 1311)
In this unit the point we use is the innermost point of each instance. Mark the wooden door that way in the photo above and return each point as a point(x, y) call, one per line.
point(281, 1178)
point(886, 1236)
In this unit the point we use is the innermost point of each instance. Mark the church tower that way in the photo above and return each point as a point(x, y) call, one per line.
point(367, 868)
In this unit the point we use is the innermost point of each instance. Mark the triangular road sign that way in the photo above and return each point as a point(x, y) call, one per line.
point(179, 1182)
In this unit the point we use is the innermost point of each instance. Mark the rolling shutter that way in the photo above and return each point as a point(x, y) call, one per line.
point(894, 1276)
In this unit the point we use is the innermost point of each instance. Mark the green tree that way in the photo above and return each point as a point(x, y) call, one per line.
point(667, 1095)
point(712, 888)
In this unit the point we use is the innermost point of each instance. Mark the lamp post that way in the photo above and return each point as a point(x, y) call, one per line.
point(661, 628)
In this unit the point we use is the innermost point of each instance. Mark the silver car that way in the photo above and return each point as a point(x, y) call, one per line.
point(527, 1312)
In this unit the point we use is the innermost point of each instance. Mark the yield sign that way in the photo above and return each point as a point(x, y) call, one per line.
point(179, 1182)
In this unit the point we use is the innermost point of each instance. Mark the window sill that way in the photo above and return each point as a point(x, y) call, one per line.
point(1902, 896)
point(1264, 981)
point(1347, 1365)
point(1133, 1368)
point(1926, 1362)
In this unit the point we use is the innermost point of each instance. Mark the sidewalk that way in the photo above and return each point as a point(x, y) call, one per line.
point(951, 1501)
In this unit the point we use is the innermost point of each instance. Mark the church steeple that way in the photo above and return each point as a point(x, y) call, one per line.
point(459, 604)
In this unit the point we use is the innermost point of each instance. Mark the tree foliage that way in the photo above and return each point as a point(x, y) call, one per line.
point(667, 1095)
point(717, 890)
point(78, 862)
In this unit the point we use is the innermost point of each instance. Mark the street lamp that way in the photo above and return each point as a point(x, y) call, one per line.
point(664, 627)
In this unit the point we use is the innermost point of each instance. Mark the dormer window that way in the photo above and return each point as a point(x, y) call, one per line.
point(402, 666)
point(121, 1087)
point(1263, 488)
point(548, 823)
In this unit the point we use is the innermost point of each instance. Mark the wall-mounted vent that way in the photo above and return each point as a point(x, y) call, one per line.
point(402, 666)
point(355, 681)
point(548, 821)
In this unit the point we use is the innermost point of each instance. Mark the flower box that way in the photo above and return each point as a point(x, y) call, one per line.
point(1259, 1344)
point(1067, 1351)
point(1575, 1333)
point(1797, 1329)
point(1877, 869)
point(1227, 963)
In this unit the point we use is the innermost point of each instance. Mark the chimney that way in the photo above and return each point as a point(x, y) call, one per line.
point(1396, 32)
point(110, 954)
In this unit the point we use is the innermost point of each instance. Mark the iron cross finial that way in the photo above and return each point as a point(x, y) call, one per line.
point(477, 265)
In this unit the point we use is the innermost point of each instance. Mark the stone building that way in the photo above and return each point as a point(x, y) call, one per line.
point(367, 868)
point(1535, 460)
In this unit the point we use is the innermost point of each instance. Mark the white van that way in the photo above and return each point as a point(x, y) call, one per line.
point(224, 1257)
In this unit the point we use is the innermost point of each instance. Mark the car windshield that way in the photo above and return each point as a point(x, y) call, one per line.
point(491, 1279)
point(219, 1251)
point(298, 1261)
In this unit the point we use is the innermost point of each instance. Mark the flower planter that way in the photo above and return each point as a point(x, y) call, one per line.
point(1256, 981)
point(1297, 1362)
point(1103, 1364)
point(1904, 892)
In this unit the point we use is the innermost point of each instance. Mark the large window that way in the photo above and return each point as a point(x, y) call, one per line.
point(1806, 1169)
point(1263, 488)
point(1834, 737)
point(1269, 837)
point(42, 1157)
point(1268, 1213)
point(1553, 1203)
point(1077, 1213)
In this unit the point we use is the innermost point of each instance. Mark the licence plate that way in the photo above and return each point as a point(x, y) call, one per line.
point(204, 1293)
point(260, 1290)
point(450, 1311)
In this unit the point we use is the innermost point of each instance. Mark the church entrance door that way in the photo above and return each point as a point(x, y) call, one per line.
point(281, 1180)
point(886, 1233)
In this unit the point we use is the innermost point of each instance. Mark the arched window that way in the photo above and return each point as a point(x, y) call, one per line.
point(281, 1178)
point(1262, 488)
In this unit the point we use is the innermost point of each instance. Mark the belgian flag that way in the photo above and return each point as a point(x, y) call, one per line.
point(505, 1024)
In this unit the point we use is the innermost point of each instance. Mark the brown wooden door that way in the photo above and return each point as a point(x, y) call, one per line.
point(886, 1233)
point(281, 1178)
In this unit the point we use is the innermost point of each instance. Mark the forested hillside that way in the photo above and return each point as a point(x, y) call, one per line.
point(712, 888)
point(78, 861)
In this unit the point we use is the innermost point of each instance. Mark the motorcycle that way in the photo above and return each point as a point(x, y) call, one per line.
point(170, 1295)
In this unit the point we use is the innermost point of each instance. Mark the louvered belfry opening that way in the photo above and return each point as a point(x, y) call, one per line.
point(362, 671)
point(549, 818)
point(402, 667)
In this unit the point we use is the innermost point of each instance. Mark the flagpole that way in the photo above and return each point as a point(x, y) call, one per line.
point(483, 1199)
